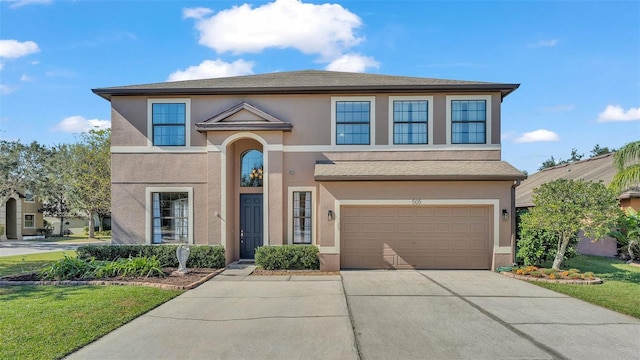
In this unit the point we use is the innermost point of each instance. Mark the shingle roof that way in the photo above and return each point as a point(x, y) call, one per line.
point(416, 170)
point(305, 81)
point(599, 168)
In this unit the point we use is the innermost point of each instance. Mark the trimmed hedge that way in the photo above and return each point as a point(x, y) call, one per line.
point(200, 256)
point(288, 257)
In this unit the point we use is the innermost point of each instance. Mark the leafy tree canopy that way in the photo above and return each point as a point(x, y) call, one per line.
point(564, 207)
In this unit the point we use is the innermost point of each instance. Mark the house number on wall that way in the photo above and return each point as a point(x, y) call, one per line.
point(416, 202)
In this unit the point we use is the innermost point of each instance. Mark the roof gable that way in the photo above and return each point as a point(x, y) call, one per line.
point(243, 116)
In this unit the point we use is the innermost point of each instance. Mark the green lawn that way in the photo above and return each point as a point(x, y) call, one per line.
point(620, 291)
point(17, 264)
point(49, 322)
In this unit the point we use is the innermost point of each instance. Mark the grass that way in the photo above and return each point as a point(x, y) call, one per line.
point(620, 291)
point(49, 322)
point(18, 264)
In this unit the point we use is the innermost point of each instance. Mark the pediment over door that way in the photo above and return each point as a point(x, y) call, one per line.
point(243, 117)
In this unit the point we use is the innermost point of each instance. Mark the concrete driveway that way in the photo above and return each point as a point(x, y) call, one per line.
point(372, 315)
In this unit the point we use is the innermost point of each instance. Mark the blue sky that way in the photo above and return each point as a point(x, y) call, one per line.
point(578, 62)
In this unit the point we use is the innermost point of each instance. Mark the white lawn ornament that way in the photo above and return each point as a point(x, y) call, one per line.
point(182, 252)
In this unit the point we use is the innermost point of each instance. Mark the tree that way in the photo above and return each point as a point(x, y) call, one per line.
point(597, 151)
point(564, 207)
point(56, 189)
point(21, 168)
point(89, 174)
point(627, 162)
point(574, 156)
point(549, 163)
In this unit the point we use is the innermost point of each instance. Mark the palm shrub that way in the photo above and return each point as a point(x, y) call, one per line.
point(201, 256)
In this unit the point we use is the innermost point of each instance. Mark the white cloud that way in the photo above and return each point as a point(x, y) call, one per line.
point(20, 3)
point(76, 124)
point(195, 13)
point(325, 29)
point(544, 43)
point(15, 49)
point(559, 108)
point(213, 69)
point(613, 113)
point(26, 78)
point(6, 89)
point(352, 63)
point(540, 135)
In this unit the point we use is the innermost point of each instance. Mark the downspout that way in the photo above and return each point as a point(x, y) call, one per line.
point(513, 220)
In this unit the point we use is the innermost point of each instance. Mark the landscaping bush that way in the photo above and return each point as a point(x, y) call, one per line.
point(288, 257)
point(201, 256)
point(74, 268)
point(537, 246)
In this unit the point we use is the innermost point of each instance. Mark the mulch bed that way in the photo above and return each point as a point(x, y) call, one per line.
point(170, 282)
point(554, 281)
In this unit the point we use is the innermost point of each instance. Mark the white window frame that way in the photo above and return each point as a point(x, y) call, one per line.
point(187, 121)
point(33, 198)
point(149, 210)
point(24, 219)
point(429, 100)
point(488, 119)
point(314, 213)
point(372, 120)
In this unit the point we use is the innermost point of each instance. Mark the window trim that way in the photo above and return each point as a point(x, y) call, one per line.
point(24, 221)
point(187, 121)
point(488, 119)
point(429, 100)
point(149, 211)
point(372, 118)
point(314, 213)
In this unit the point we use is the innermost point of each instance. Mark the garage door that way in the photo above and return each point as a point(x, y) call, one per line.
point(417, 237)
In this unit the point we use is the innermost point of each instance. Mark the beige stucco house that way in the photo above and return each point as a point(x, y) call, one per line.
point(376, 171)
point(20, 216)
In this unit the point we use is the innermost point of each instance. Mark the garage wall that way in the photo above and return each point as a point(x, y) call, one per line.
point(333, 194)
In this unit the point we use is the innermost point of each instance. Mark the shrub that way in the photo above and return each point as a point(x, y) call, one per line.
point(74, 268)
point(537, 246)
point(1, 230)
point(201, 256)
point(288, 257)
point(549, 271)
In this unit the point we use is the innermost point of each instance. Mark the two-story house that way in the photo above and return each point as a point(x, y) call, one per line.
point(376, 171)
point(20, 216)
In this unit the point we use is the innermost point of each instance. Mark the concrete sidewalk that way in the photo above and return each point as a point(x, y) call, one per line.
point(11, 247)
point(234, 316)
point(479, 315)
point(443, 315)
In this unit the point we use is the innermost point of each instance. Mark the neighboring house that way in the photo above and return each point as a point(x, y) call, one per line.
point(598, 168)
point(20, 216)
point(76, 224)
point(376, 171)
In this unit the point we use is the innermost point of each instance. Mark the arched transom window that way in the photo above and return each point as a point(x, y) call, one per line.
point(251, 169)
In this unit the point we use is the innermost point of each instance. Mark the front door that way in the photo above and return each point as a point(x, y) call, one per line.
point(250, 224)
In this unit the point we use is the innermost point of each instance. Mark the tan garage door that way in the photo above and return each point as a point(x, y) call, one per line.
point(420, 237)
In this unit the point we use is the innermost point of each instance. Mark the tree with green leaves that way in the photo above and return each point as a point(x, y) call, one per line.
point(22, 167)
point(564, 207)
point(627, 163)
point(89, 175)
point(598, 150)
point(55, 191)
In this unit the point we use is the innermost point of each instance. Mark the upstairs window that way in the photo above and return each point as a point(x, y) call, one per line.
point(353, 120)
point(468, 121)
point(410, 120)
point(169, 124)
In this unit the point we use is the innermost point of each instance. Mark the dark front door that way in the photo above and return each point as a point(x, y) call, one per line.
point(250, 224)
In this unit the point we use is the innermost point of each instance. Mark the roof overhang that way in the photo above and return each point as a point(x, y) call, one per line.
point(433, 170)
